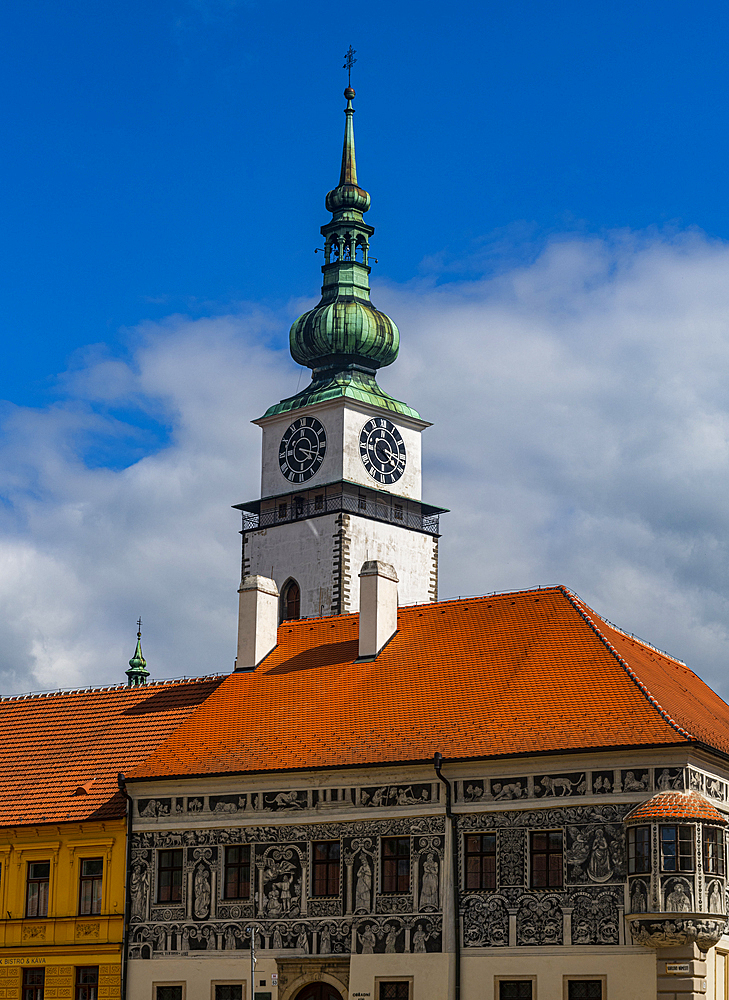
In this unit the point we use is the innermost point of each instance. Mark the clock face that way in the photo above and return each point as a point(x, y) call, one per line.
point(382, 450)
point(302, 449)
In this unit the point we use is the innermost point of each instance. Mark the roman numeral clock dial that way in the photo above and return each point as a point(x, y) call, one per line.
point(382, 450)
point(302, 449)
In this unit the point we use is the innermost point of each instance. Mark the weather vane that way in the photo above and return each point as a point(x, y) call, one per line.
point(349, 62)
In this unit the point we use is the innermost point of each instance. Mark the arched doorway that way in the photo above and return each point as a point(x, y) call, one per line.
point(318, 991)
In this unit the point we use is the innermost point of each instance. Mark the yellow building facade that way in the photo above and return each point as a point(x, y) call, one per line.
point(62, 895)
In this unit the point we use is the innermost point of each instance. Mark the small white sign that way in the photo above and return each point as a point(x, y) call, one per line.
point(274, 979)
point(678, 969)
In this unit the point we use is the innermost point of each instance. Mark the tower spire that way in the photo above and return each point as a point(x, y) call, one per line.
point(137, 673)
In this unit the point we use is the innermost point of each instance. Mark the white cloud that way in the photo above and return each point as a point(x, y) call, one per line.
point(581, 436)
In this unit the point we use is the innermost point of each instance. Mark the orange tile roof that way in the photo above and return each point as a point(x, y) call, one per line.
point(528, 672)
point(676, 805)
point(61, 752)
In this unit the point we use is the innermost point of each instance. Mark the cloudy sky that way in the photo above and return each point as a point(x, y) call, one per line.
point(553, 238)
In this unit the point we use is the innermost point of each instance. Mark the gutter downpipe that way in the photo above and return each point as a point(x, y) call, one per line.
point(121, 781)
point(437, 764)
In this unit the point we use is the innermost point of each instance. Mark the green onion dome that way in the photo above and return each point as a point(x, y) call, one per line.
point(345, 331)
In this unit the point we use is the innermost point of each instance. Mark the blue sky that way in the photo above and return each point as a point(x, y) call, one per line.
point(549, 192)
point(173, 156)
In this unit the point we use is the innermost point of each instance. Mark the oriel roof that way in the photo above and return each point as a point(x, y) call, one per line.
point(61, 752)
point(676, 805)
point(521, 673)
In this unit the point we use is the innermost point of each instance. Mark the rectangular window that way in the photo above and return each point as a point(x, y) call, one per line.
point(677, 848)
point(228, 991)
point(481, 861)
point(325, 858)
point(169, 886)
point(639, 849)
point(546, 859)
point(237, 872)
point(515, 989)
point(713, 850)
point(36, 900)
point(282, 508)
point(33, 983)
point(584, 989)
point(89, 896)
point(396, 864)
point(169, 992)
point(87, 982)
point(319, 502)
point(394, 991)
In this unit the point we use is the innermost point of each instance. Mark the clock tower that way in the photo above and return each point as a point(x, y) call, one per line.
point(341, 469)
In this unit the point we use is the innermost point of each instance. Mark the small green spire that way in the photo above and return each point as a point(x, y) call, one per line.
point(137, 673)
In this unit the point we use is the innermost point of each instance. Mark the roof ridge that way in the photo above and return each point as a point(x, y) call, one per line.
point(575, 602)
point(121, 686)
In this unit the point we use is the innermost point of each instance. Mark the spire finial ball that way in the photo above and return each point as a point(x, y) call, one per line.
point(349, 93)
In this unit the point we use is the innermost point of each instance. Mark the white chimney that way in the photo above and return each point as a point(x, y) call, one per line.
point(257, 620)
point(377, 607)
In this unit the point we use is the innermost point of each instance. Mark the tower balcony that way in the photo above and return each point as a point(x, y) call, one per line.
point(333, 498)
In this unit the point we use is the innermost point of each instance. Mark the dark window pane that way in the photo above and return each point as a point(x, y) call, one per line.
point(639, 854)
point(169, 889)
point(515, 989)
point(169, 993)
point(546, 859)
point(396, 864)
point(481, 861)
point(394, 991)
point(677, 848)
point(584, 989)
point(325, 878)
point(237, 872)
point(229, 992)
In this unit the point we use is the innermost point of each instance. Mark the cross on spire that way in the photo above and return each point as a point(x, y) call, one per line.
point(139, 628)
point(349, 62)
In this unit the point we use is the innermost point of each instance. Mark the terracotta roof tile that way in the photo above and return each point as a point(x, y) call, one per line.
point(675, 805)
point(507, 674)
point(61, 752)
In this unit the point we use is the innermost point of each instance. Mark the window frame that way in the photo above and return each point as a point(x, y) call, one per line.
point(548, 853)
point(394, 859)
point(228, 982)
point(82, 880)
point(585, 979)
point(517, 978)
point(179, 982)
point(718, 831)
point(28, 990)
point(80, 988)
point(328, 864)
point(482, 854)
point(633, 854)
point(228, 865)
point(161, 885)
point(37, 881)
point(386, 980)
point(690, 838)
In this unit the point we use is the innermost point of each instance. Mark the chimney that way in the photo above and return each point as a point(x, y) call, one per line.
point(377, 607)
point(257, 620)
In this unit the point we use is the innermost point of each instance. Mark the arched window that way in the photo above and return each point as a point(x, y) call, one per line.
point(291, 601)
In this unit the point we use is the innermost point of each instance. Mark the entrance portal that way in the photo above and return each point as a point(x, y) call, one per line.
point(318, 991)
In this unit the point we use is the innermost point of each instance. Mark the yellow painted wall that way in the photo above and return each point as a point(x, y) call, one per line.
point(64, 939)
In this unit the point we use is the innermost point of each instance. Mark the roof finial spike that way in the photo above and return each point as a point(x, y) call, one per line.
point(137, 673)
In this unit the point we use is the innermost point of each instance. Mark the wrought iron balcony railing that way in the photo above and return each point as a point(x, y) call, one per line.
point(302, 508)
